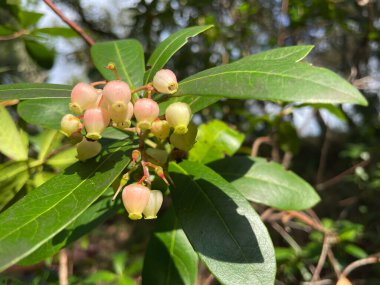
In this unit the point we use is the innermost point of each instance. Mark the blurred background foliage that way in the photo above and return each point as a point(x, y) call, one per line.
point(334, 147)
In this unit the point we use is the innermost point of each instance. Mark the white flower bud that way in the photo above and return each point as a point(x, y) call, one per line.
point(154, 205)
point(88, 149)
point(165, 81)
point(135, 198)
point(70, 124)
point(178, 116)
point(83, 96)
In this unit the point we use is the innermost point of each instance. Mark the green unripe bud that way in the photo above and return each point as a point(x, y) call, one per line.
point(70, 124)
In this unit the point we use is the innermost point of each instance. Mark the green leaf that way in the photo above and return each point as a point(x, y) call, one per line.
point(215, 140)
point(50, 208)
point(292, 53)
point(355, 251)
point(28, 18)
point(169, 258)
point(222, 226)
point(11, 143)
point(64, 158)
point(41, 54)
point(271, 80)
point(56, 32)
point(49, 140)
point(267, 183)
point(167, 48)
point(128, 57)
point(11, 186)
point(101, 277)
point(95, 215)
point(34, 91)
point(44, 112)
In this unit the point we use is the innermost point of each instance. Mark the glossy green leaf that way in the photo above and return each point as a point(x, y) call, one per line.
point(169, 258)
point(40, 53)
point(28, 18)
point(64, 158)
point(128, 57)
point(47, 210)
point(11, 143)
point(167, 48)
point(10, 187)
point(291, 53)
point(34, 91)
point(267, 183)
point(95, 215)
point(49, 140)
point(221, 225)
point(215, 140)
point(271, 80)
point(56, 32)
point(44, 112)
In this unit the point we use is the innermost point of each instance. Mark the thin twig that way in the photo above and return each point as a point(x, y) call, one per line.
point(256, 145)
point(73, 25)
point(13, 36)
point(63, 268)
point(341, 175)
point(334, 263)
point(323, 156)
point(322, 259)
point(361, 262)
point(306, 219)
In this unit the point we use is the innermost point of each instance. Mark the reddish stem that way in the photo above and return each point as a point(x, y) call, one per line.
point(73, 25)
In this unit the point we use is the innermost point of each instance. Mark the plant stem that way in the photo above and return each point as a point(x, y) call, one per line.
point(73, 25)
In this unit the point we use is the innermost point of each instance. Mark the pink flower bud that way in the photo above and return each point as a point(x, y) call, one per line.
point(135, 198)
point(88, 149)
point(70, 124)
point(146, 111)
point(165, 81)
point(95, 121)
point(178, 116)
point(185, 142)
point(154, 205)
point(161, 129)
point(118, 95)
point(123, 118)
point(83, 96)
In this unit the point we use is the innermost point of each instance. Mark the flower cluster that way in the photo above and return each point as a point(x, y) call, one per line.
point(118, 106)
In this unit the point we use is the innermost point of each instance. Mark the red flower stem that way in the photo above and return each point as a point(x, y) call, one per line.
point(73, 25)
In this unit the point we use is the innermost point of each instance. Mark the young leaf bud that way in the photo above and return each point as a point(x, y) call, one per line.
point(178, 116)
point(135, 198)
point(95, 121)
point(88, 149)
point(83, 96)
point(154, 205)
point(118, 94)
point(165, 81)
point(161, 129)
point(123, 118)
point(70, 124)
point(185, 142)
point(146, 111)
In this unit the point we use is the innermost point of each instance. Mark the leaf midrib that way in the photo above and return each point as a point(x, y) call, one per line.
point(122, 65)
point(269, 74)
